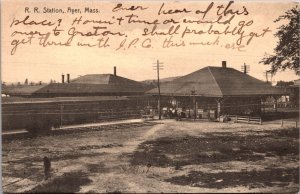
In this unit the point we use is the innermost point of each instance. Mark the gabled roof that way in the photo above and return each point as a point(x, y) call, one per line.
point(217, 82)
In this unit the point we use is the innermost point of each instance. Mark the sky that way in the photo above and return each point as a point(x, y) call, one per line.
point(44, 63)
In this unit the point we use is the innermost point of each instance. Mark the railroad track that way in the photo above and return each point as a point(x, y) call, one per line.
point(84, 129)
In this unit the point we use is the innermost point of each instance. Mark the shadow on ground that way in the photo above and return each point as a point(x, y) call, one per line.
point(223, 147)
point(68, 183)
point(283, 114)
point(253, 179)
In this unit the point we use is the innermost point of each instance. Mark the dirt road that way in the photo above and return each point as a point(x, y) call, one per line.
point(169, 156)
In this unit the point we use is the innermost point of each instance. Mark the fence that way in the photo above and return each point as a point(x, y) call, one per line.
point(55, 114)
point(289, 122)
point(245, 119)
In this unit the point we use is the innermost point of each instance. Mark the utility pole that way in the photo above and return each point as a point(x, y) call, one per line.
point(158, 67)
point(245, 68)
point(267, 76)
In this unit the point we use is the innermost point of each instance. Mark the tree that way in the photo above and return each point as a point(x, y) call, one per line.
point(287, 50)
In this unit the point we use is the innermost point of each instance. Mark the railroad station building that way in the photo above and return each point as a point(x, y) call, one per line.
point(87, 85)
point(215, 91)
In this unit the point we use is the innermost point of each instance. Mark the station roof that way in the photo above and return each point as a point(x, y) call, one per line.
point(98, 84)
point(216, 82)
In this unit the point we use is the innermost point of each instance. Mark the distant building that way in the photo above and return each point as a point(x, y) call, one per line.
point(291, 96)
point(293, 93)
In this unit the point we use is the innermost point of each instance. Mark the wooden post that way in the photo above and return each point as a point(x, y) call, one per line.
point(281, 122)
point(263, 106)
point(276, 104)
point(194, 103)
point(260, 121)
point(236, 108)
point(219, 108)
point(296, 124)
point(61, 115)
point(196, 109)
point(47, 167)
point(285, 101)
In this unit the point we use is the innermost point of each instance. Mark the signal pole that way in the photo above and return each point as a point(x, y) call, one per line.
point(158, 67)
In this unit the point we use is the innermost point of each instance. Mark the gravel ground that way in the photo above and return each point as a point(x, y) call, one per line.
point(169, 156)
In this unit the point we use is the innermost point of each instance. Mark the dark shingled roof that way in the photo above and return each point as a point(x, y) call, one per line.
point(217, 82)
point(23, 90)
point(104, 79)
point(93, 84)
point(97, 84)
point(100, 89)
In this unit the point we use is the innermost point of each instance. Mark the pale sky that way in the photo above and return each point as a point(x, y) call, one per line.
point(37, 63)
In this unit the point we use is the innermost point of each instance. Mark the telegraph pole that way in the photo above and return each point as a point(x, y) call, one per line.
point(158, 67)
point(245, 68)
point(266, 73)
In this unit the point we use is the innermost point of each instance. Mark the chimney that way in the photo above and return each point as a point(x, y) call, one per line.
point(224, 64)
point(115, 71)
point(68, 78)
point(62, 78)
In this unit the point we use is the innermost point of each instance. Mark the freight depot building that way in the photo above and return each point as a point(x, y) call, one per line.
point(94, 85)
point(87, 85)
point(216, 90)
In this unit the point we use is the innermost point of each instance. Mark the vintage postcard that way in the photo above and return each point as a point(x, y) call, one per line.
point(150, 96)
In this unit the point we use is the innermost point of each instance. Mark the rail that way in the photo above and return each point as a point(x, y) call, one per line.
point(245, 119)
point(147, 117)
point(289, 121)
